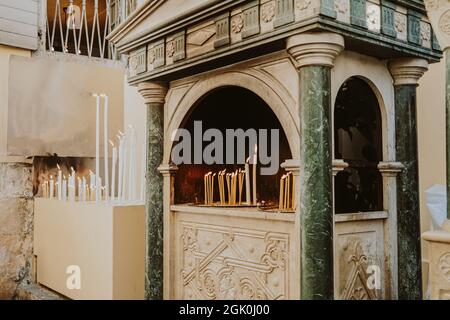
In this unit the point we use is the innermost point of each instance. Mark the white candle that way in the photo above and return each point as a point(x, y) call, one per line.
point(143, 170)
point(124, 169)
point(99, 188)
point(59, 182)
point(52, 187)
point(113, 172)
point(91, 184)
point(83, 192)
point(247, 182)
point(121, 156)
point(72, 184)
point(80, 190)
point(64, 189)
point(255, 161)
point(106, 146)
point(97, 147)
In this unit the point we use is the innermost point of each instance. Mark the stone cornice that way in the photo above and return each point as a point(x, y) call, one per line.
point(406, 71)
point(315, 48)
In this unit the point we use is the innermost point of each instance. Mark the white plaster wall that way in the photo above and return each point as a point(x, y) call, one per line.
point(431, 131)
point(135, 114)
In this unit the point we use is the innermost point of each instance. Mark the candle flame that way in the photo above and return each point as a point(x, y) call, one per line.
point(121, 133)
point(111, 143)
point(248, 160)
point(59, 168)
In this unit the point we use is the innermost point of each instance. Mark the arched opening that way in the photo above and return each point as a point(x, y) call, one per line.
point(358, 141)
point(223, 109)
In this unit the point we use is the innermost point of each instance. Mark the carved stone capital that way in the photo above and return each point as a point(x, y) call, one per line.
point(319, 49)
point(153, 92)
point(167, 169)
point(407, 70)
point(338, 166)
point(292, 165)
point(390, 169)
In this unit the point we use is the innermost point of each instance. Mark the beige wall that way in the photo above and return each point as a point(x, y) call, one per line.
point(431, 130)
point(5, 53)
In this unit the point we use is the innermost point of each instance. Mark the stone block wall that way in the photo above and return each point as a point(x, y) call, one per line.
point(16, 226)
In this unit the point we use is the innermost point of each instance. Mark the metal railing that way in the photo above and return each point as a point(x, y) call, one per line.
point(80, 27)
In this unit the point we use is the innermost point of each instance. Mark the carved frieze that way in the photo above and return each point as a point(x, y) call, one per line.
point(425, 34)
point(400, 24)
point(156, 55)
point(373, 16)
point(268, 11)
point(343, 10)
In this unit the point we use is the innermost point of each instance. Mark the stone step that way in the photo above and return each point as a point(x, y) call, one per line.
point(34, 291)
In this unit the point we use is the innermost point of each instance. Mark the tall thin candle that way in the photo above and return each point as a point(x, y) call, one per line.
point(255, 161)
point(113, 172)
point(106, 146)
point(97, 148)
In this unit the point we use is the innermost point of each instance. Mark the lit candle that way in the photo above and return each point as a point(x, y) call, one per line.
point(113, 172)
point(105, 142)
point(52, 187)
point(247, 182)
point(80, 189)
point(255, 161)
point(91, 184)
point(72, 184)
point(59, 182)
point(64, 189)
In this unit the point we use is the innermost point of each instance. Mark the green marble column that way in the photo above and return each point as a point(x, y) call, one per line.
point(447, 64)
point(316, 183)
point(408, 213)
point(154, 94)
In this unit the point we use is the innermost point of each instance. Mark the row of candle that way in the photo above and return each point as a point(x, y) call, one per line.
point(234, 184)
point(124, 160)
point(287, 192)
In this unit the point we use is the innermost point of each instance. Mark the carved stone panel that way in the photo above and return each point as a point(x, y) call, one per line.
point(358, 13)
point(284, 11)
point(138, 62)
point(156, 56)
point(222, 30)
point(250, 13)
point(343, 10)
point(200, 39)
point(414, 28)
point(388, 19)
point(232, 261)
point(359, 260)
point(373, 16)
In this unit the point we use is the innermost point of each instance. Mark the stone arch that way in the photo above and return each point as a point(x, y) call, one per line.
point(269, 90)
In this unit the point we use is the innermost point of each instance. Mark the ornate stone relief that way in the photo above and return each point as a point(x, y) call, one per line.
point(303, 4)
point(229, 263)
point(444, 266)
point(444, 23)
point(342, 6)
point(425, 34)
point(400, 25)
point(432, 4)
point(373, 17)
point(268, 11)
point(170, 49)
point(237, 23)
point(356, 287)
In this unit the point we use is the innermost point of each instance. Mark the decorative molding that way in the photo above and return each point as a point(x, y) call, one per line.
point(284, 12)
point(390, 169)
point(444, 23)
point(338, 166)
point(222, 30)
point(237, 23)
point(406, 71)
point(153, 92)
point(358, 11)
point(373, 17)
point(315, 48)
point(251, 19)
